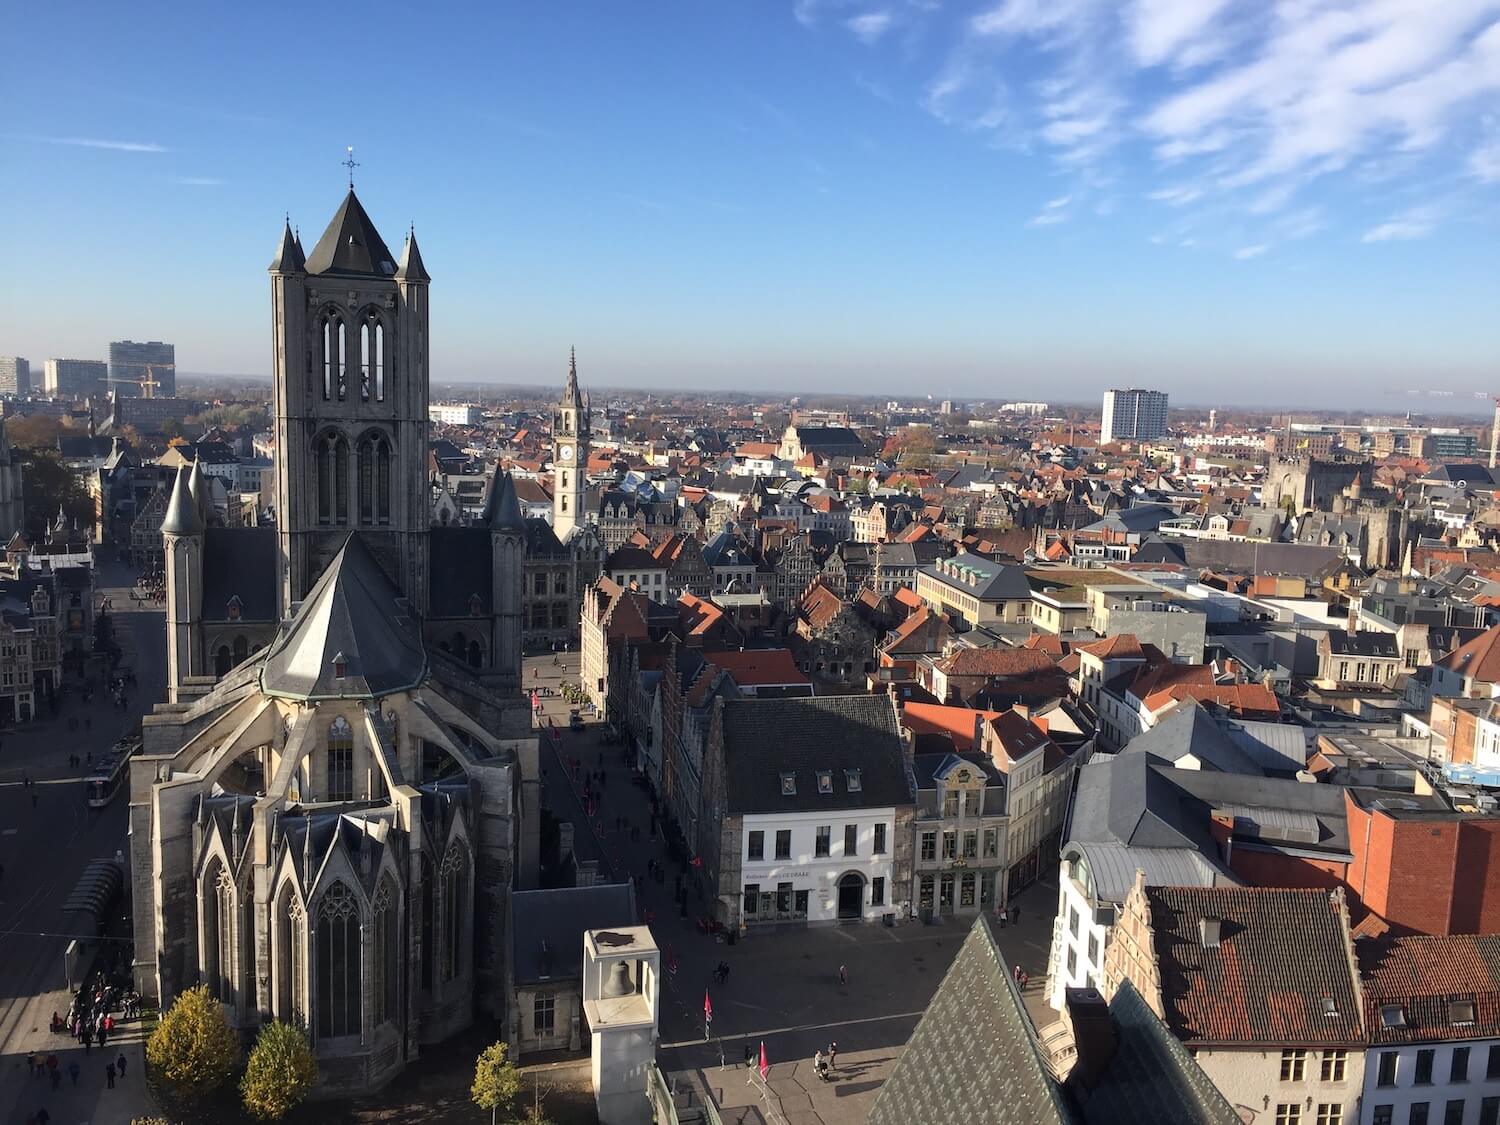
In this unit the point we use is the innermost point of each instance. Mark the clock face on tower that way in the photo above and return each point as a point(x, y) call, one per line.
point(566, 453)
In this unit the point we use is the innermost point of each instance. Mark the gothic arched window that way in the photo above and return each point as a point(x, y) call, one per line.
point(342, 342)
point(340, 760)
point(374, 455)
point(218, 931)
point(386, 961)
point(429, 920)
point(338, 961)
point(241, 649)
point(454, 894)
point(372, 365)
point(341, 480)
point(291, 958)
point(383, 481)
point(476, 655)
point(221, 661)
point(327, 349)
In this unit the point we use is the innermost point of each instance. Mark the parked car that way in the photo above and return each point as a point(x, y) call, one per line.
point(575, 720)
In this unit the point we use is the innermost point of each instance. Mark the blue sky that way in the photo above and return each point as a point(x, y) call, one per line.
point(1240, 202)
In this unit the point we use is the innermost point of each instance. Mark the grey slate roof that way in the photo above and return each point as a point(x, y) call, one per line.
point(351, 246)
point(1190, 730)
point(183, 516)
point(975, 1057)
point(239, 562)
point(289, 258)
point(829, 438)
point(502, 510)
point(993, 581)
point(460, 564)
point(352, 616)
point(411, 267)
point(547, 927)
point(764, 738)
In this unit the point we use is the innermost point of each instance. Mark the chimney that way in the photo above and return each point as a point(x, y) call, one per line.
point(1093, 1037)
point(1208, 932)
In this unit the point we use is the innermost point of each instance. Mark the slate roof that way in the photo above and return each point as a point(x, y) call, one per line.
point(764, 738)
point(351, 246)
point(547, 927)
point(183, 516)
point(1190, 730)
point(829, 438)
point(460, 565)
point(975, 1057)
point(993, 581)
point(1281, 954)
point(502, 509)
point(1422, 975)
point(352, 616)
point(1366, 643)
point(239, 562)
point(411, 267)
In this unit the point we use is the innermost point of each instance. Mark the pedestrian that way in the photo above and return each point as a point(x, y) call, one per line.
point(1015, 913)
point(109, 1074)
point(120, 1064)
point(73, 1071)
point(843, 974)
point(52, 1064)
point(833, 1055)
point(56, 1080)
point(101, 1036)
point(31, 1062)
point(88, 1039)
point(42, 1116)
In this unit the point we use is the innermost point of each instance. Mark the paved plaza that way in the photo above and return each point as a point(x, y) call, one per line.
point(783, 987)
point(47, 835)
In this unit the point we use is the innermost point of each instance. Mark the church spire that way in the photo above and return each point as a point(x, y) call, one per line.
point(289, 257)
point(411, 267)
point(571, 397)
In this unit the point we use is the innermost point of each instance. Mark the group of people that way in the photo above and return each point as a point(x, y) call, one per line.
point(825, 1061)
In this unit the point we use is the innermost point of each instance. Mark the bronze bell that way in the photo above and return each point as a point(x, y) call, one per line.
point(619, 982)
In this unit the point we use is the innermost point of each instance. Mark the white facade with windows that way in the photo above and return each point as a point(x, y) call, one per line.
point(1133, 415)
point(820, 866)
point(1445, 1083)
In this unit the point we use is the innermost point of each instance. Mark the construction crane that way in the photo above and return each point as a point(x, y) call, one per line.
point(150, 382)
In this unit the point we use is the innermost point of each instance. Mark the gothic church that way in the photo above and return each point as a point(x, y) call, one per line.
point(328, 809)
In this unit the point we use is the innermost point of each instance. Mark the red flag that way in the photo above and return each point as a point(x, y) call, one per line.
point(697, 861)
point(765, 1064)
point(708, 1008)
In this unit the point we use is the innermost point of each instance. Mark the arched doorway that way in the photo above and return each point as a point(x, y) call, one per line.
point(851, 896)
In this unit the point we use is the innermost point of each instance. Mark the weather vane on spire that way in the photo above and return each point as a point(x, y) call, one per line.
point(350, 163)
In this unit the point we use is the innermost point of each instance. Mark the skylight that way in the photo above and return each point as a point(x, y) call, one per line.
point(1392, 1015)
point(825, 781)
point(853, 781)
point(788, 785)
point(1461, 1011)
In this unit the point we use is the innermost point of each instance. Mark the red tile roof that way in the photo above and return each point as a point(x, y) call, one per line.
point(1478, 660)
point(1422, 975)
point(990, 662)
point(1281, 954)
point(959, 723)
point(759, 667)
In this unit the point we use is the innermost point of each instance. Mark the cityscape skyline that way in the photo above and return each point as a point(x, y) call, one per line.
point(920, 194)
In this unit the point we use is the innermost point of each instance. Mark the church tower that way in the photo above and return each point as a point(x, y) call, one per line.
point(570, 456)
point(350, 367)
point(182, 539)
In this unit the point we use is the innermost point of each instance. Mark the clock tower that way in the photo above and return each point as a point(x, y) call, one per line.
point(570, 456)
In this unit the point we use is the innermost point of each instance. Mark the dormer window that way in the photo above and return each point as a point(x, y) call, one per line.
point(853, 781)
point(233, 608)
point(1461, 1011)
point(1392, 1015)
point(788, 785)
point(474, 605)
point(1330, 1006)
point(340, 667)
point(825, 782)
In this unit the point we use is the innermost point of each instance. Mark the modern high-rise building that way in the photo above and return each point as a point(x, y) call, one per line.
point(15, 376)
point(143, 369)
point(75, 378)
point(1133, 415)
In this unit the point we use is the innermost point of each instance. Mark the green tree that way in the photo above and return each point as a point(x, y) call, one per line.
point(149, 1121)
point(193, 1048)
point(496, 1080)
point(48, 484)
point(281, 1071)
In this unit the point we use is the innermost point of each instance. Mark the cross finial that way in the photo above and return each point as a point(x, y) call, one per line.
point(350, 163)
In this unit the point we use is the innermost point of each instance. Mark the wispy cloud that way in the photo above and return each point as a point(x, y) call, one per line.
point(197, 181)
point(870, 26)
point(1245, 253)
point(113, 146)
point(1242, 105)
point(1054, 211)
point(1418, 222)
